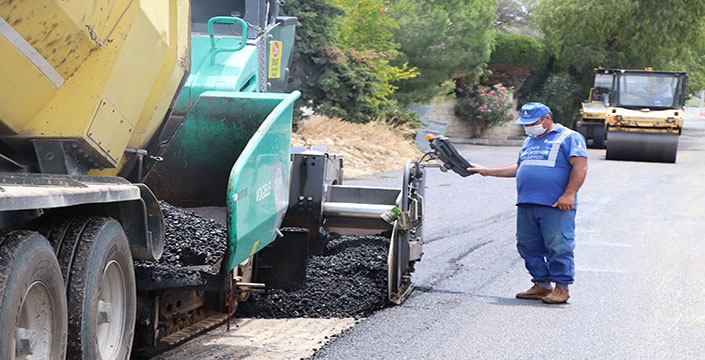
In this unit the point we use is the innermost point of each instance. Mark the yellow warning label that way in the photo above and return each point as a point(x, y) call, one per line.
point(275, 60)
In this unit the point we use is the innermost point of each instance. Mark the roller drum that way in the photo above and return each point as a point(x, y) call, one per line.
point(642, 146)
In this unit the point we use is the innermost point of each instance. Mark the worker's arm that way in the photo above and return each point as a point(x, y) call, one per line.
point(504, 171)
point(575, 181)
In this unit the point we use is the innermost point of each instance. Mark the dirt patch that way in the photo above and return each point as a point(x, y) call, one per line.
point(366, 148)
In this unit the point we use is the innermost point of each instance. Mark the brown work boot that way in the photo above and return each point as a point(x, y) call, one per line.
point(558, 296)
point(536, 292)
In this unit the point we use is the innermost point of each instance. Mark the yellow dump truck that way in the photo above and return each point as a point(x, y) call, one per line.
point(636, 114)
point(95, 96)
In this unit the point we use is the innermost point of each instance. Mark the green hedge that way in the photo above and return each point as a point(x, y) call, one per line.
point(518, 50)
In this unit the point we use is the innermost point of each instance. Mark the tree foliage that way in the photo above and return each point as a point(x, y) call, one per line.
point(367, 39)
point(315, 69)
point(443, 39)
point(559, 92)
point(518, 50)
point(341, 60)
point(515, 15)
point(664, 35)
point(358, 59)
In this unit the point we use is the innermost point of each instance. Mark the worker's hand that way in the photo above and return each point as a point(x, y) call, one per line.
point(565, 202)
point(478, 169)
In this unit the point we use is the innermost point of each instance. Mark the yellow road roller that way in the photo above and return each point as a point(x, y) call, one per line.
point(636, 114)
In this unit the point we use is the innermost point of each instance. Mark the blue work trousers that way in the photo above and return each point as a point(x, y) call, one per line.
point(546, 240)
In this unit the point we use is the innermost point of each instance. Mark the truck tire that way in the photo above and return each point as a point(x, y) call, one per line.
point(101, 290)
point(33, 310)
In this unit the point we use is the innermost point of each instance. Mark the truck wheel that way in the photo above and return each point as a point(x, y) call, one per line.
point(32, 299)
point(101, 290)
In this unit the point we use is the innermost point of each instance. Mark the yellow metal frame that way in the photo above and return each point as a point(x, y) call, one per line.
point(659, 121)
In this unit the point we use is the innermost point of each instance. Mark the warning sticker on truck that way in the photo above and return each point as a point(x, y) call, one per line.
point(275, 59)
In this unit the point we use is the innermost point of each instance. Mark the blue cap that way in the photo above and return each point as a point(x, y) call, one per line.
point(531, 112)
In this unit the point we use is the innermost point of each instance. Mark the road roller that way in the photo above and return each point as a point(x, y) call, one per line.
point(636, 114)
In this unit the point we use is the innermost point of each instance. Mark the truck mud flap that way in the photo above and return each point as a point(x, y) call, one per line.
point(642, 146)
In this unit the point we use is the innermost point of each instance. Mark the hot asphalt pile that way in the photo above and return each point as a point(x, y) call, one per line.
point(190, 240)
point(348, 280)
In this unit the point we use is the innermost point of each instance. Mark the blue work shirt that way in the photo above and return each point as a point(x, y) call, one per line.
point(544, 165)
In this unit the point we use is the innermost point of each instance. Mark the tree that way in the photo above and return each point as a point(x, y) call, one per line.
point(515, 16)
point(664, 35)
point(514, 59)
point(443, 39)
point(341, 60)
point(560, 93)
point(315, 57)
point(366, 37)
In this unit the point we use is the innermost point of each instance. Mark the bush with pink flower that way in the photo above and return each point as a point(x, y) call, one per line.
point(484, 107)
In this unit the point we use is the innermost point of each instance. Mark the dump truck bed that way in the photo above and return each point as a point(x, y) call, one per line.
point(72, 73)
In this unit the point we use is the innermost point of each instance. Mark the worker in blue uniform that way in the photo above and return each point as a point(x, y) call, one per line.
point(549, 171)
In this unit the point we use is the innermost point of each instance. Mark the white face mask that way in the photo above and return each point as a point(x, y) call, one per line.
point(535, 130)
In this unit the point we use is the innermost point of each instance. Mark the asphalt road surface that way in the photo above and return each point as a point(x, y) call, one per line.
point(640, 275)
point(640, 269)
